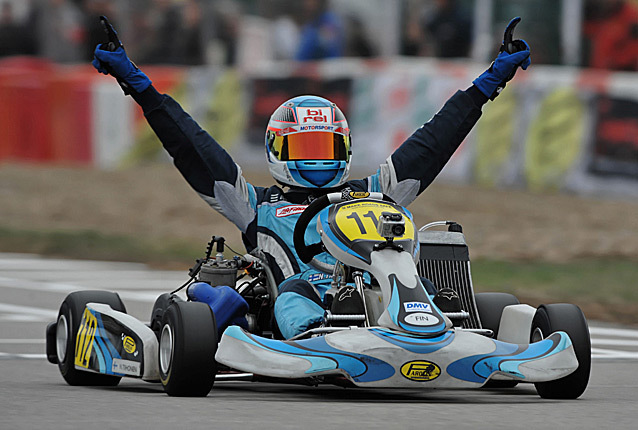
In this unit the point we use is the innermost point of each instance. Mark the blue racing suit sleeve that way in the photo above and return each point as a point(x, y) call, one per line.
point(205, 165)
point(415, 164)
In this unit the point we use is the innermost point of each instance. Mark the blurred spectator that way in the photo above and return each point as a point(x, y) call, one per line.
point(285, 37)
point(15, 38)
point(228, 15)
point(187, 48)
point(611, 34)
point(60, 30)
point(412, 39)
point(357, 42)
point(436, 28)
point(167, 32)
point(451, 32)
point(322, 33)
point(163, 20)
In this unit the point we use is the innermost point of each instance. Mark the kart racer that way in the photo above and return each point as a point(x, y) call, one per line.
point(308, 151)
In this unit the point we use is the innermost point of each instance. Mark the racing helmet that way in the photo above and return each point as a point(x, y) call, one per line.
point(308, 143)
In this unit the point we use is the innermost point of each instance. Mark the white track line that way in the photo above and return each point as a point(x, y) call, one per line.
point(56, 287)
point(28, 311)
point(613, 342)
point(7, 356)
point(608, 354)
point(613, 332)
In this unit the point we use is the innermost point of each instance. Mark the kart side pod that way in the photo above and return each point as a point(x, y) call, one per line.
point(110, 342)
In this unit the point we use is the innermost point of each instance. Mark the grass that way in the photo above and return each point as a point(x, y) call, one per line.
point(605, 289)
point(612, 281)
point(93, 245)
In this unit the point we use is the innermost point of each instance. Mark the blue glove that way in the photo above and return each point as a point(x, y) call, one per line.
point(117, 64)
point(513, 54)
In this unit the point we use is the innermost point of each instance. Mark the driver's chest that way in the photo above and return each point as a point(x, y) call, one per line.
point(280, 219)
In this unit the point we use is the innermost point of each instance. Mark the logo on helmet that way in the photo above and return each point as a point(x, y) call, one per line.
point(316, 114)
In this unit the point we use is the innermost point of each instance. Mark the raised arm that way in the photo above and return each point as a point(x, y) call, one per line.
point(415, 164)
point(201, 160)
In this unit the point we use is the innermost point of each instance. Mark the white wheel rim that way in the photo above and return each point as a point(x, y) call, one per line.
point(61, 338)
point(537, 335)
point(166, 348)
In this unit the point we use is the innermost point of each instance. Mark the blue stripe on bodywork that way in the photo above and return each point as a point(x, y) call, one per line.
point(417, 344)
point(106, 362)
point(104, 335)
point(362, 368)
point(506, 358)
point(108, 350)
point(98, 346)
point(394, 305)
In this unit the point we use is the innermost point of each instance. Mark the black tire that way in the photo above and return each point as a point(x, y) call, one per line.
point(68, 322)
point(159, 308)
point(188, 343)
point(570, 319)
point(490, 308)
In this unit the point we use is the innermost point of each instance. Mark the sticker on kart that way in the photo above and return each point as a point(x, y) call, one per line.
point(358, 220)
point(420, 370)
point(85, 337)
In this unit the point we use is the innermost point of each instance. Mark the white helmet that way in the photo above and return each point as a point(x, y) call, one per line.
point(308, 143)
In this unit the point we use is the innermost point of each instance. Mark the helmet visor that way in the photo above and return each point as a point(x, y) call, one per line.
point(312, 145)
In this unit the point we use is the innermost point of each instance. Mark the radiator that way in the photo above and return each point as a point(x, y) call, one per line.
point(445, 260)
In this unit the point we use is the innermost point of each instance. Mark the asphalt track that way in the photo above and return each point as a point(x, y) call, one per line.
point(33, 394)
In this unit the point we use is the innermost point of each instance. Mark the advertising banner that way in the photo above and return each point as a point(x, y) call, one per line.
point(615, 149)
point(552, 129)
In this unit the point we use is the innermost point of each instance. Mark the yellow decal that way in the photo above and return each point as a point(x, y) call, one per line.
point(359, 194)
point(129, 344)
point(420, 370)
point(84, 340)
point(494, 138)
point(359, 219)
point(554, 139)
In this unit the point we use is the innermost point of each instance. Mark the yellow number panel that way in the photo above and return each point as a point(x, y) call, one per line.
point(358, 220)
point(84, 341)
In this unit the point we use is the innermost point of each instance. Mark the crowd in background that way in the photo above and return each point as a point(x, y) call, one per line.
point(193, 32)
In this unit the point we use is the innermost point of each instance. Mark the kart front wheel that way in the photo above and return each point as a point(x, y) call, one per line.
point(66, 331)
point(187, 347)
point(570, 319)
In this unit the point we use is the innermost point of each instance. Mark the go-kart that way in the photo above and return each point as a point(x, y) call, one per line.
point(397, 336)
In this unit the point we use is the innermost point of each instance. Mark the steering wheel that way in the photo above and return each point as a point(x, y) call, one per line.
point(307, 253)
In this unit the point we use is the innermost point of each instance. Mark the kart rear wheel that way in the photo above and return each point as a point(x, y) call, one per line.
point(490, 308)
point(68, 322)
point(188, 343)
point(570, 319)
